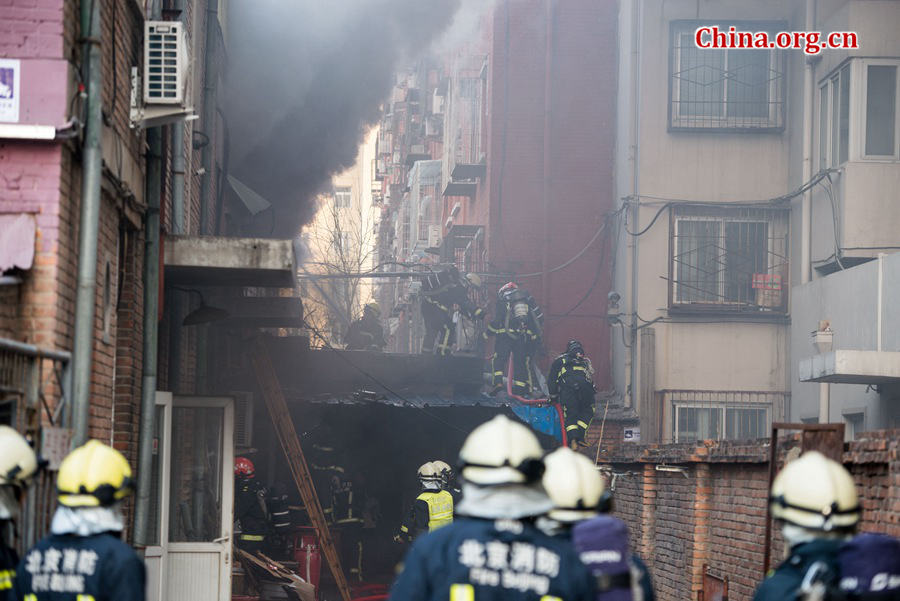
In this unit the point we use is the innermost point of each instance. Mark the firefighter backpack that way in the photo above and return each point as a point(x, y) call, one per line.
point(602, 544)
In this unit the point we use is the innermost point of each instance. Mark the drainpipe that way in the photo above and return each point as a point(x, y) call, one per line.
point(209, 111)
point(175, 299)
point(548, 109)
point(806, 203)
point(92, 160)
point(637, 20)
point(150, 328)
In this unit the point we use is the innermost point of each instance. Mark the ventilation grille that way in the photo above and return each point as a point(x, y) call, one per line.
point(164, 62)
point(243, 419)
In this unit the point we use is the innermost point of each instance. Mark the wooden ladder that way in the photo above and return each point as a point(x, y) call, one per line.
point(290, 443)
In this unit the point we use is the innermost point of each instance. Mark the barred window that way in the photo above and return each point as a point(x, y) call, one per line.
point(731, 258)
point(719, 89)
point(342, 197)
point(723, 415)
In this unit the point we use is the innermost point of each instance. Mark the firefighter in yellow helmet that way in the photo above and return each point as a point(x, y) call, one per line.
point(18, 464)
point(432, 509)
point(84, 557)
point(814, 499)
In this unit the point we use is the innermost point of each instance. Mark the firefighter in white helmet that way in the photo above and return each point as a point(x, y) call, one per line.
point(493, 550)
point(18, 464)
point(448, 479)
point(581, 501)
point(84, 556)
point(432, 509)
point(814, 499)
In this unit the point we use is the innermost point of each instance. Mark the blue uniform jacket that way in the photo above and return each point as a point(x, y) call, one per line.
point(62, 567)
point(487, 560)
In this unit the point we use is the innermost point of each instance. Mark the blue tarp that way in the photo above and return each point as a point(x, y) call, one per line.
point(542, 419)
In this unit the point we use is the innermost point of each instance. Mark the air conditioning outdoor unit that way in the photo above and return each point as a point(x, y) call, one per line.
point(160, 88)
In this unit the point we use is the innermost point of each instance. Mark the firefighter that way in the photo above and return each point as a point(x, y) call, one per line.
point(347, 512)
point(493, 550)
point(18, 464)
point(441, 293)
point(580, 500)
point(518, 328)
point(84, 556)
point(571, 383)
point(432, 509)
point(814, 499)
point(448, 479)
point(251, 512)
point(366, 332)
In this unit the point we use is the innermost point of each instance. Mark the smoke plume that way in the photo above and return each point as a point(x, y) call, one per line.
point(305, 80)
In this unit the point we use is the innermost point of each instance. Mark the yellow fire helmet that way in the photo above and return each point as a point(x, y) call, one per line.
point(93, 475)
point(815, 492)
point(18, 463)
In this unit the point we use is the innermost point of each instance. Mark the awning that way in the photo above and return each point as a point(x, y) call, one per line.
point(17, 232)
point(218, 261)
point(852, 367)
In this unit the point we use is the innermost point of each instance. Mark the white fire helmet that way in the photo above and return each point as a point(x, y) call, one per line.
point(816, 493)
point(575, 486)
point(501, 451)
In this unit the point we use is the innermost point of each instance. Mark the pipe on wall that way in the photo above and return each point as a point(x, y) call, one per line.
point(92, 161)
point(547, 165)
point(808, 110)
point(150, 330)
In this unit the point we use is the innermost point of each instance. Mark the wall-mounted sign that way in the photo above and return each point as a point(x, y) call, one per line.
point(633, 434)
point(10, 90)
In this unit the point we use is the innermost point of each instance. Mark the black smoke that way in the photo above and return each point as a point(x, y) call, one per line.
point(305, 80)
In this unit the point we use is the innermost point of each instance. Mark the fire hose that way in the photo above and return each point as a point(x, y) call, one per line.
point(536, 402)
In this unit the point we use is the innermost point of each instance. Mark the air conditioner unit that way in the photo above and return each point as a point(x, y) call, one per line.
point(243, 419)
point(160, 89)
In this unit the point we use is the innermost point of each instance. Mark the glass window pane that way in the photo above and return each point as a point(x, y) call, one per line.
point(153, 518)
point(881, 101)
point(748, 83)
point(845, 115)
point(700, 79)
point(823, 127)
point(746, 253)
point(746, 423)
point(697, 261)
point(195, 501)
point(698, 423)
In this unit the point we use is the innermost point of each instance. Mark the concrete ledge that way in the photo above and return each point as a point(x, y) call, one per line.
point(218, 261)
point(852, 367)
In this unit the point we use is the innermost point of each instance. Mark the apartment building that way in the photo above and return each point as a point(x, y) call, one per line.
point(727, 208)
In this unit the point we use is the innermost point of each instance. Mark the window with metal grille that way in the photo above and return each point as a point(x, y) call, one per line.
point(718, 89)
point(723, 415)
point(732, 258)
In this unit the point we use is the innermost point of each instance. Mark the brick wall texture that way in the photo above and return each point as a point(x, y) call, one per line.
point(714, 512)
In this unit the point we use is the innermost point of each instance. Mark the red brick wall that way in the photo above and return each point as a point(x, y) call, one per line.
point(520, 230)
point(714, 513)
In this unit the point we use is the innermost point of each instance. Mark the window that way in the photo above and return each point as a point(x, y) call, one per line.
point(342, 197)
point(881, 111)
point(729, 258)
point(723, 415)
point(716, 89)
point(855, 424)
point(834, 119)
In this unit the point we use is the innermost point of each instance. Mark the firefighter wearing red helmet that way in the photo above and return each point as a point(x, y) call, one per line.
point(518, 329)
point(251, 514)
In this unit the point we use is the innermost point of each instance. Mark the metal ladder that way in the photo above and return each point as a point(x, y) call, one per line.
point(290, 443)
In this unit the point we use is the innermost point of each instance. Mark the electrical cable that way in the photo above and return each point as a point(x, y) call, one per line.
point(376, 380)
point(834, 220)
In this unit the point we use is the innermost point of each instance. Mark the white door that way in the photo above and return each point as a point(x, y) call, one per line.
point(192, 513)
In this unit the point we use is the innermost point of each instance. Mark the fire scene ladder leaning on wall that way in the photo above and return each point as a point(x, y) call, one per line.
point(290, 443)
